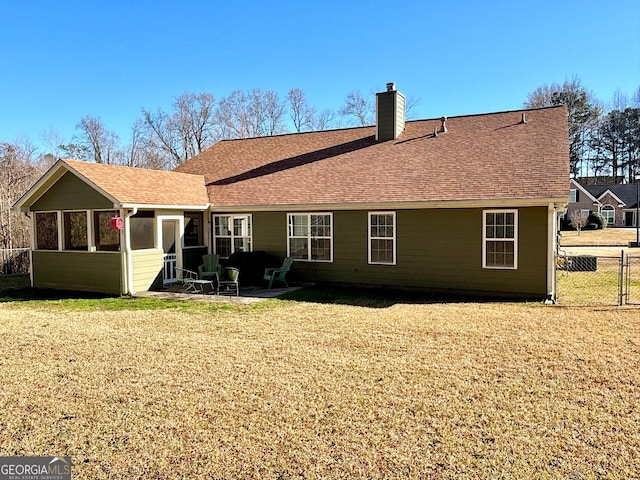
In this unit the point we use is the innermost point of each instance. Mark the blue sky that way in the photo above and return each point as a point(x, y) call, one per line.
point(60, 61)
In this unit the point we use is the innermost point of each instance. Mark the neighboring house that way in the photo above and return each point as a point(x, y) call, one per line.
point(464, 204)
point(617, 203)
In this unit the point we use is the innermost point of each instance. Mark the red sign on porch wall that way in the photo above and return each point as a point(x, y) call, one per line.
point(117, 223)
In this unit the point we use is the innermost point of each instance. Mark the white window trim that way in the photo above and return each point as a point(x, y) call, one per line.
point(58, 226)
point(231, 216)
point(309, 237)
point(573, 195)
point(92, 240)
point(369, 238)
point(609, 208)
point(203, 227)
point(89, 230)
point(514, 240)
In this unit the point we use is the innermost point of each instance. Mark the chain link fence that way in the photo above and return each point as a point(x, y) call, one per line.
point(598, 280)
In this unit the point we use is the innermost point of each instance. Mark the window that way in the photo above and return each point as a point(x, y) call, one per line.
point(106, 238)
point(47, 230)
point(143, 230)
point(309, 236)
point(609, 213)
point(573, 195)
point(382, 238)
point(193, 229)
point(75, 231)
point(231, 233)
point(500, 239)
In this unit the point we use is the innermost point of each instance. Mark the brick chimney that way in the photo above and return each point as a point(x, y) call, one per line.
point(389, 114)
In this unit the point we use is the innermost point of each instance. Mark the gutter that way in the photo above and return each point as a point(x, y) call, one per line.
point(128, 277)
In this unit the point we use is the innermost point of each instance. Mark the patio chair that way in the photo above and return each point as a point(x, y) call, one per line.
point(228, 279)
point(210, 267)
point(279, 273)
point(187, 279)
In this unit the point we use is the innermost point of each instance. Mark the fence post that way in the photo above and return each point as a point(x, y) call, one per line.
point(621, 279)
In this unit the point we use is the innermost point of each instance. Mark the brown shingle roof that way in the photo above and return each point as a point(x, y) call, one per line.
point(481, 157)
point(139, 186)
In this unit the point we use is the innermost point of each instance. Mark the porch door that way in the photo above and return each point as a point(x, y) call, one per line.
point(169, 242)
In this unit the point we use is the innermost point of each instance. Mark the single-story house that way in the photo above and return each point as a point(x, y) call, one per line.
point(463, 204)
point(617, 202)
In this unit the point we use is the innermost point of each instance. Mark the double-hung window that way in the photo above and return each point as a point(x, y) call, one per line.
point(500, 239)
point(231, 234)
point(382, 238)
point(310, 236)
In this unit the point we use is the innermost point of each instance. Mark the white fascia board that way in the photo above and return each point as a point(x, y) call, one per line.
point(497, 203)
point(585, 191)
point(162, 207)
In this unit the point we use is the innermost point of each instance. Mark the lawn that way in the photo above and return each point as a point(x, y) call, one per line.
point(604, 237)
point(303, 389)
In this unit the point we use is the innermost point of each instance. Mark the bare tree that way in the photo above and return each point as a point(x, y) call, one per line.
point(18, 171)
point(102, 143)
point(359, 108)
point(584, 113)
point(52, 139)
point(253, 114)
point(302, 114)
point(324, 120)
point(578, 220)
point(182, 133)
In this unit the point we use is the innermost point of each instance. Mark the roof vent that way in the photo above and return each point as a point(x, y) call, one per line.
point(524, 118)
point(443, 128)
point(391, 87)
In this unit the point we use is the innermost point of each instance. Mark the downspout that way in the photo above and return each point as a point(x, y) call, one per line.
point(32, 244)
point(127, 252)
point(552, 231)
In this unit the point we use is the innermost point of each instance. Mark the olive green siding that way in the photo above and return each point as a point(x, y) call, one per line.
point(82, 271)
point(436, 249)
point(71, 193)
point(147, 269)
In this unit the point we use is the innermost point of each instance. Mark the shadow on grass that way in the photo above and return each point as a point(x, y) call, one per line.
point(28, 294)
point(383, 297)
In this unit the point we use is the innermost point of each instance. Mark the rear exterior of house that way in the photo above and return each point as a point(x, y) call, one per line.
point(464, 204)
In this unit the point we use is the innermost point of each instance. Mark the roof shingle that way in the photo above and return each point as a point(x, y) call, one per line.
point(481, 157)
point(139, 186)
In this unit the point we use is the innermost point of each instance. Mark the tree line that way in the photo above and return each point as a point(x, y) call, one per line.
point(601, 144)
point(164, 139)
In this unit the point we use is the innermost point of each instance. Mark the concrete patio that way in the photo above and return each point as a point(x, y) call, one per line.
point(248, 295)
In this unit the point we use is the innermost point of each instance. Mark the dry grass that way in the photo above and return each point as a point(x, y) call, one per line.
point(304, 390)
point(606, 236)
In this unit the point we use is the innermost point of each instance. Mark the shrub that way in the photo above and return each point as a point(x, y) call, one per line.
point(598, 219)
